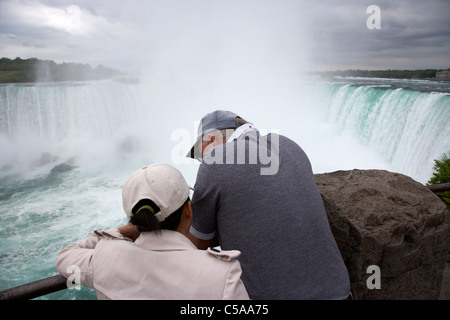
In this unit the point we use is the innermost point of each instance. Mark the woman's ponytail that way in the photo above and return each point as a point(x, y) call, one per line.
point(144, 218)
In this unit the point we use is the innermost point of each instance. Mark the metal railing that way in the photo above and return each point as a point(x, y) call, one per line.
point(35, 289)
point(439, 187)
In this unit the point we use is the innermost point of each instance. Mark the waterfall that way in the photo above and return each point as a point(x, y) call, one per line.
point(408, 128)
point(112, 128)
point(57, 120)
point(100, 119)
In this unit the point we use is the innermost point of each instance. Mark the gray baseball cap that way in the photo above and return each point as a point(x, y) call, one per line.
point(216, 120)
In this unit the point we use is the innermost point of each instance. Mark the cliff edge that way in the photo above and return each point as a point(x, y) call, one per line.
point(392, 222)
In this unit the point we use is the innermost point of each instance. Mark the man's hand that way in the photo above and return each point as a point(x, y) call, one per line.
point(129, 231)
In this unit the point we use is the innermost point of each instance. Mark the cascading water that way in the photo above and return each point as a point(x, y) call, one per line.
point(65, 120)
point(108, 129)
point(93, 126)
point(407, 128)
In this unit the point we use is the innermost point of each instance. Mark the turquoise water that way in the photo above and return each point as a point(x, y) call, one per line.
point(408, 128)
point(89, 125)
point(108, 129)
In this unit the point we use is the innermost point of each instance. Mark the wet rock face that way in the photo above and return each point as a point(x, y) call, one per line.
point(62, 167)
point(391, 221)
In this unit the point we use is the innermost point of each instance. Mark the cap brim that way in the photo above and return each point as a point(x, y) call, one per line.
point(195, 152)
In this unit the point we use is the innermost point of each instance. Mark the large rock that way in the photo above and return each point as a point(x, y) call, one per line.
point(391, 221)
point(62, 167)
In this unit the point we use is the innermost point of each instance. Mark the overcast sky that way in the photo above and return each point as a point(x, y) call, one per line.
point(211, 35)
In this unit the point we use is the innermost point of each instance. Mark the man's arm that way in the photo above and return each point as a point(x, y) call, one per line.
point(203, 244)
point(204, 203)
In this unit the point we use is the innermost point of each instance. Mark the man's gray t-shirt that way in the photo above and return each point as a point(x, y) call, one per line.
point(278, 221)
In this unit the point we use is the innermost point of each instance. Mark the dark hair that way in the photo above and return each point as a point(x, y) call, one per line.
point(227, 132)
point(239, 121)
point(145, 220)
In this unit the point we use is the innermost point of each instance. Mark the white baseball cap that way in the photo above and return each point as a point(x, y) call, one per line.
point(160, 183)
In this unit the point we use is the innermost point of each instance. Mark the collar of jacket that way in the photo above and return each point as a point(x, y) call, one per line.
point(167, 240)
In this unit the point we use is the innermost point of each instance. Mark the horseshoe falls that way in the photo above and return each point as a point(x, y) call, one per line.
point(407, 128)
point(104, 130)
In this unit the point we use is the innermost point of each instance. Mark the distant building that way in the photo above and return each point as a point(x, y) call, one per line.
point(443, 75)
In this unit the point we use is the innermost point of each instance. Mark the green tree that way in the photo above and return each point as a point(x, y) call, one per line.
point(441, 174)
point(35, 70)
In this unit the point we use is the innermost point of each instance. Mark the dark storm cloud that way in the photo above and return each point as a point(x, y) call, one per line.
point(286, 34)
point(413, 34)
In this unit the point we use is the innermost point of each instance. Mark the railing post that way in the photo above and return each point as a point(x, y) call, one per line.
point(35, 289)
point(439, 187)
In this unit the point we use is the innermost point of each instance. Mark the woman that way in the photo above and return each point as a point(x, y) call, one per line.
point(162, 263)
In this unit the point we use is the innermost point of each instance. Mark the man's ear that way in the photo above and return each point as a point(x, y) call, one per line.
point(186, 219)
point(187, 210)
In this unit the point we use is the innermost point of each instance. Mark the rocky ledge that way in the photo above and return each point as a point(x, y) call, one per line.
point(390, 221)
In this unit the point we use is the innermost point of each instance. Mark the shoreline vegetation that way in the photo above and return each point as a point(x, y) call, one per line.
point(419, 74)
point(34, 70)
point(20, 70)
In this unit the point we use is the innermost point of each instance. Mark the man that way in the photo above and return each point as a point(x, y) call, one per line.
point(162, 263)
point(257, 194)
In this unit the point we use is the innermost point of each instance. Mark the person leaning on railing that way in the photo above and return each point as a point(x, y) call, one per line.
point(162, 263)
